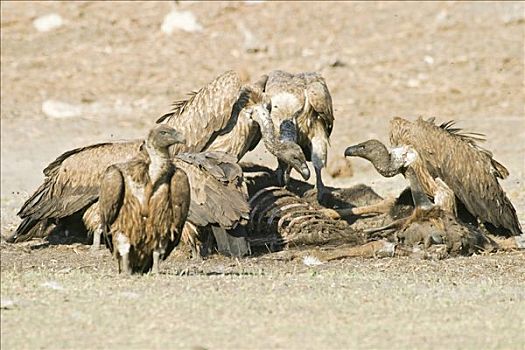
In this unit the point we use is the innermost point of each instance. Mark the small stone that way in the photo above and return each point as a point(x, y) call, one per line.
point(413, 83)
point(183, 20)
point(306, 52)
point(429, 60)
point(422, 76)
point(48, 22)
point(441, 16)
point(130, 295)
point(311, 261)
point(7, 304)
point(60, 110)
point(52, 285)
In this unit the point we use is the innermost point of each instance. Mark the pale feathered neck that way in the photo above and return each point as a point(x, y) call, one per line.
point(159, 161)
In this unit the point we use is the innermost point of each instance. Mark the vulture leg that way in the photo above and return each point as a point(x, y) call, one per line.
point(96, 239)
point(418, 195)
point(156, 262)
point(319, 153)
point(122, 247)
point(124, 265)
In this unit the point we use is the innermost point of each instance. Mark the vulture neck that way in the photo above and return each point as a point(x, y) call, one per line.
point(387, 164)
point(271, 141)
point(159, 162)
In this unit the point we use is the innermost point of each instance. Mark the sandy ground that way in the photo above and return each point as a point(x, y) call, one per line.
point(461, 61)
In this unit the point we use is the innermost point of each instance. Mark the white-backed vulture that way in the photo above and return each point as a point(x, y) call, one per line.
point(229, 117)
point(444, 164)
point(303, 98)
point(143, 204)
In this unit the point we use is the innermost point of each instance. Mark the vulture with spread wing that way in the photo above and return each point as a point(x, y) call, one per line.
point(229, 117)
point(143, 204)
point(303, 99)
point(444, 164)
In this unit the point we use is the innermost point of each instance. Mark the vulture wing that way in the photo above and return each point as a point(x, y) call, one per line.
point(218, 195)
point(205, 114)
point(320, 99)
point(469, 170)
point(71, 184)
point(180, 193)
point(180, 199)
point(112, 189)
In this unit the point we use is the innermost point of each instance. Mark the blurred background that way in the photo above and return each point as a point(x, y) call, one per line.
point(75, 73)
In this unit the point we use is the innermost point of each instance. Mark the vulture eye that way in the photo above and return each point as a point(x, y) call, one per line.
point(164, 133)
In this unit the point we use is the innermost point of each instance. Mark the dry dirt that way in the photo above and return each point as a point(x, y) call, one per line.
point(462, 61)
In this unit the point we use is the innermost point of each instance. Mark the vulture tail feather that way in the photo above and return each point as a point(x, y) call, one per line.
point(28, 228)
point(34, 201)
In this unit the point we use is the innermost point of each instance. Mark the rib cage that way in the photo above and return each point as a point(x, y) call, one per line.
point(280, 219)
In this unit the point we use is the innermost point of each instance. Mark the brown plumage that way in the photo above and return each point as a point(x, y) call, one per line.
point(73, 181)
point(303, 98)
point(444, 163)
point(143, 204)
point(230, 117)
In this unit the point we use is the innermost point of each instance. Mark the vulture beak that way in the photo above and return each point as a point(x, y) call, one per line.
point(304, 171)
point(178, 137)
point(353, 150)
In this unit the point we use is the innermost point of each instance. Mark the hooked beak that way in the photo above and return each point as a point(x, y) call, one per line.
point(352, 150)
point(178, 137)
point(304, 171)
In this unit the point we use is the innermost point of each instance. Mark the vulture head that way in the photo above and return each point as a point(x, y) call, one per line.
point(284, 148)
point(371, 150)
point(163, 136)
point(291, 153)
point(378, 154)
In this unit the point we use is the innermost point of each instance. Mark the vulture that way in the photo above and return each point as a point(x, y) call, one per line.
point(303, 99)
point(222, 116)
point(143, 204)
point(447, 165)
point(228, 117)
